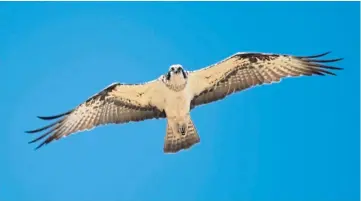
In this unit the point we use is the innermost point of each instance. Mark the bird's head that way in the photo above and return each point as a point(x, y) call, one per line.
point(176, 75)
point(176, 70)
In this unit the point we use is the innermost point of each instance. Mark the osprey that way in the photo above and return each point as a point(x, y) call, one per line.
point(174, 94)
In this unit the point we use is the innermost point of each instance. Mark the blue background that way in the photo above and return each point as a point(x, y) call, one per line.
point(297, 140)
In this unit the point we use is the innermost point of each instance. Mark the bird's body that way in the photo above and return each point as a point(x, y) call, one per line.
point(181, 132)
point(176, 93)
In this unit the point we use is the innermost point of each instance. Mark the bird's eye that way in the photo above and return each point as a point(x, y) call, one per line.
point(172, 69)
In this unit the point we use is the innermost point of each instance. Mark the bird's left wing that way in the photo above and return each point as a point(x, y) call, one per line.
point(244, 70)
point(117, 103)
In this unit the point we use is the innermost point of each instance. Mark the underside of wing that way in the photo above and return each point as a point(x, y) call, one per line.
point(244, 70)
point(105, 107)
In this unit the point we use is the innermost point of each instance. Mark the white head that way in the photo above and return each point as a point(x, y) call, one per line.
point(176, 76)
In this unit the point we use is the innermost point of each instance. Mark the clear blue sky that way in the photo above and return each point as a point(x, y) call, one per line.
point(293, 141)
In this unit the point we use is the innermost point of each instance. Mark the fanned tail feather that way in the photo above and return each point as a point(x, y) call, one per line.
point(176, 141)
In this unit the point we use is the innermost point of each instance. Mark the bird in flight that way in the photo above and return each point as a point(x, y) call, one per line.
point(174, 94)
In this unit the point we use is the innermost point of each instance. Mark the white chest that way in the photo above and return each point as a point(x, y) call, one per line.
point(177, 103)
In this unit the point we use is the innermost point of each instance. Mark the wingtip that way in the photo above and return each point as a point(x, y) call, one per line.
point(315, 56)
point(338, 68)
point(340, 59)
point(43, 128)
point(55, 116)
point(33, 131)
point(44, 117)
point(324, 54)
point(31, 142)
point(324, 60)
point(39, 146)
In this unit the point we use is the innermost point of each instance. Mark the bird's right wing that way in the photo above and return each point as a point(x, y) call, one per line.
point(117, 103)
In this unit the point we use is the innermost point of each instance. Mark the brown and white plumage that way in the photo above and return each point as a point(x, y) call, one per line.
point(117, 103)
point(174, 94)
point(244, 70)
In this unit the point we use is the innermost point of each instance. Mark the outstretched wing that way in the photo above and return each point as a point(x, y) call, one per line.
point(117, 103)
point(244, 70)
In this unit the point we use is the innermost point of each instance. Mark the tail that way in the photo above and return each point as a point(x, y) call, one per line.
point(180, 136)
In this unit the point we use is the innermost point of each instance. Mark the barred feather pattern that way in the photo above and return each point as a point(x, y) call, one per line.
point(103, 108)
point(245, 70)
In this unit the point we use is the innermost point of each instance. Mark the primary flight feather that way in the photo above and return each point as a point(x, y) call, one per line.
point(176, 93)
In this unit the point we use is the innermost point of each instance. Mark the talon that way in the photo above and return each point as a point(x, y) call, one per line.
point(182, 129)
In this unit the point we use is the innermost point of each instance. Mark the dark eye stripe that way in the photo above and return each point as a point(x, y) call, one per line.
point(184, 74)
point(168, 76)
